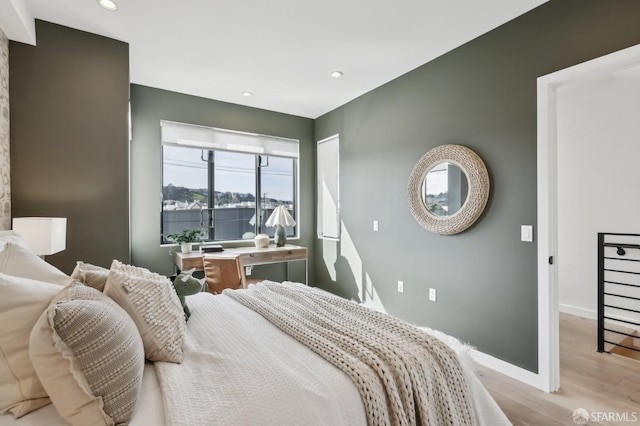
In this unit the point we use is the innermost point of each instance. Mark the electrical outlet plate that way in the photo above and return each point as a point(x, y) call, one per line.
point(400, 287)
point(526, 233)
point(432, 294)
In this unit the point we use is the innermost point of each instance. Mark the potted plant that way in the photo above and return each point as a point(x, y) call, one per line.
point(186, 238)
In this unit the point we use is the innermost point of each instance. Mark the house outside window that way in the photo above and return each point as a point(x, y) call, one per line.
point(225, 183)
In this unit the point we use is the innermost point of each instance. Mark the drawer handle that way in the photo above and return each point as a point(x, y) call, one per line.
point(289, 252)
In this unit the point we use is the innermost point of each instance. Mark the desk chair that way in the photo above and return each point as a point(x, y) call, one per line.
point(223, 271)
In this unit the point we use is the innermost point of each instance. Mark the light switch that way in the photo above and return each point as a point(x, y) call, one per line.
point(375, 226)
point(526, 233)
point(432, 294)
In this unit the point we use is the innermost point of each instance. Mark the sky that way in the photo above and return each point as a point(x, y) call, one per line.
point(234, 172)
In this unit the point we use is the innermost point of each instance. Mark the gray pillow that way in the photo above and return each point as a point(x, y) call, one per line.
point(89, 357)
point(91, 275)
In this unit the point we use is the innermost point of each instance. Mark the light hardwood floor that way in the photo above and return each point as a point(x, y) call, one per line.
point(606, 385)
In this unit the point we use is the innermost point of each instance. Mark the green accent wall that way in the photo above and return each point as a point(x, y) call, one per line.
point(148, 107)
point(71, 157)
point(69, 139)
point(481, 95)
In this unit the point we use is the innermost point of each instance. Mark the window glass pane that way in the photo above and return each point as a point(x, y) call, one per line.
point(184, 189)
point(277, 184)
point(235, 200)
point(215, 192)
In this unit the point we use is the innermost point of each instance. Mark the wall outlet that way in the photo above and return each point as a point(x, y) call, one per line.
point(400, 287)
point(375, 226)
point(248, 270)
point(432, 294)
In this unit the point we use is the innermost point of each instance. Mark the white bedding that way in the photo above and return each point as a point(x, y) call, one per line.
point(239, 369)
point(148, 409)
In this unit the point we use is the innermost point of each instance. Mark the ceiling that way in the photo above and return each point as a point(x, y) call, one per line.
point(282, 51)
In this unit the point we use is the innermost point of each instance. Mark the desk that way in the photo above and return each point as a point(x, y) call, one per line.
point(250, 256)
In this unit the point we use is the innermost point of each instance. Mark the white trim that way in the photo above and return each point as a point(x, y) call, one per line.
point(548, 305)
point(593, 315)
point(577, 311)
point(513, 371)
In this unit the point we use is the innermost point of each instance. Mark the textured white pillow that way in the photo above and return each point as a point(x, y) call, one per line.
point(91, 275)
point(22, 301)
point(89, 357)
point(152, 302)
point(17, 260)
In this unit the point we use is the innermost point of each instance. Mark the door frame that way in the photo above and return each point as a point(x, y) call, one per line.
point(548, 377)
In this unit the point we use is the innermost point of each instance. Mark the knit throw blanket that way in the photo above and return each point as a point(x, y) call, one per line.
point(404, 376)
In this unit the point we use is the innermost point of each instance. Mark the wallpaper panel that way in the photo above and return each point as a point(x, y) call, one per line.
point(5, 187)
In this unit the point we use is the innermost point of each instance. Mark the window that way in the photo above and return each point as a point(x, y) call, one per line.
point(328, 180)
point(225, 183)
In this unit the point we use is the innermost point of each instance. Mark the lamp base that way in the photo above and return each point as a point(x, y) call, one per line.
point(280, 237)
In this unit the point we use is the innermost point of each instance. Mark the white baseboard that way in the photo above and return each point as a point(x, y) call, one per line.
point(526, 376)
point(591, 314)
point(513, 371)
point(579, 312)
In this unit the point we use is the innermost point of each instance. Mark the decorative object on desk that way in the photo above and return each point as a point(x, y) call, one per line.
point(280, 218)
point(261, 240)
point(186, 284)
point(43, 235)
point(186, 238)
point(212, 248)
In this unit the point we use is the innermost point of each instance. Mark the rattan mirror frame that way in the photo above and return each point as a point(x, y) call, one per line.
point(477, 176)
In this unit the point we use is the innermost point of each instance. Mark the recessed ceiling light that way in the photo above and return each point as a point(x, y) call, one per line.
point(247, 94)
point(108, 4)
point(336, 74)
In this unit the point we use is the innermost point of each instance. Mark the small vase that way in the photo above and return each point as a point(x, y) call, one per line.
point(261, 240)
point(281, 236)
point(186, 247)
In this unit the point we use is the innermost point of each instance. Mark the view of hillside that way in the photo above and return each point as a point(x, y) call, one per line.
point(180, 194)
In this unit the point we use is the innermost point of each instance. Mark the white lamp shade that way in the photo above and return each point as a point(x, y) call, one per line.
point(280, 216)
point(43, 235)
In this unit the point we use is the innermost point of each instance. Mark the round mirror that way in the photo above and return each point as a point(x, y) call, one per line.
point(445, 189)
point(448, 189)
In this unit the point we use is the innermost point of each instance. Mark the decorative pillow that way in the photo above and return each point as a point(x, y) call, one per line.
point(89, 357)
point(152, 302)
point(22, 301)
point(17, 260)
point(91, 275)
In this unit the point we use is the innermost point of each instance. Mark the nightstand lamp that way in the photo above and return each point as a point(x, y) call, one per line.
point(43, 235)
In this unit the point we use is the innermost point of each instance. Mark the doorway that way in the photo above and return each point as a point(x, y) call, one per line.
point(557, 93)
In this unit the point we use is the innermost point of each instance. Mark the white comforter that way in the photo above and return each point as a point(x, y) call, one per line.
point(239, 369)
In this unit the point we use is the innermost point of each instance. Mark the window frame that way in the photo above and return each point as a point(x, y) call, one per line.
point(208, 223)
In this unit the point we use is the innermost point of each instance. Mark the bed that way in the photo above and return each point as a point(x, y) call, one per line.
point(237, 367)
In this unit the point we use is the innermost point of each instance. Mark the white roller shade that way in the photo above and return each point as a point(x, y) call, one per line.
point(191, 135)
point(328, 179)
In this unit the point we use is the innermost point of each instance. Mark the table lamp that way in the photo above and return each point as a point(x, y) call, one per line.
point(280, 218)
point(43, 235)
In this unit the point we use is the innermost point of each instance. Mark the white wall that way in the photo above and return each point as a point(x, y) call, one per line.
point(598, 178)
